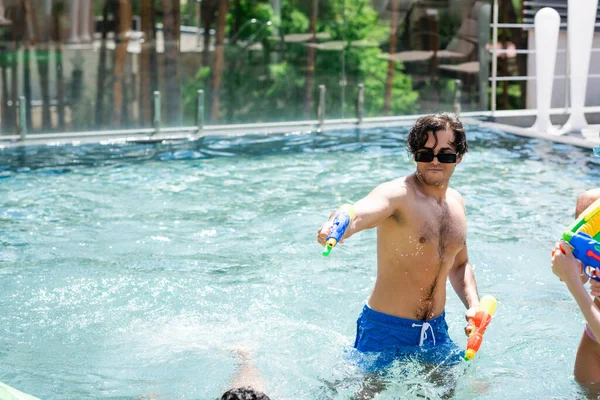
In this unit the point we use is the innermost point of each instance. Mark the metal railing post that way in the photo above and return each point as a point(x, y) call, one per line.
point(494, 55)
point(200, 111)
point(567, 72)
point(483, 21)
point(321, 109)
point(22, 117)
point(360, 104)
point(199, 19)
point(157, 121)
point(457, 96)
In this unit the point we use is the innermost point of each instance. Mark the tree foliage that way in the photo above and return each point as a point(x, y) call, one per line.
point(268, 85)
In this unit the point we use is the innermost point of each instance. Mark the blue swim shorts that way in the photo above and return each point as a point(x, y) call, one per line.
point(399, 338)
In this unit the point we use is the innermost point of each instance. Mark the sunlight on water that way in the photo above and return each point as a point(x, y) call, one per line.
point(141, 270)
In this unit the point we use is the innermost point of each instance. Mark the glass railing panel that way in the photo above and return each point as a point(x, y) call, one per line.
point(97, 64)
point(434, 57)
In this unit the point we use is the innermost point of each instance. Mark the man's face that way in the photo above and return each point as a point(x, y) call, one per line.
point(435, 172)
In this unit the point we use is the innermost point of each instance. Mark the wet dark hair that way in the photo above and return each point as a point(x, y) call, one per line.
point(417, 136)
point(244, 393)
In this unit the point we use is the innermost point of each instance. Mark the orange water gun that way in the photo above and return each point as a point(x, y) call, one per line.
point(483, 317)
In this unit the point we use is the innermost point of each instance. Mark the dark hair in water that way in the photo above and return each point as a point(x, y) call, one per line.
point(417, 136)
point(244, 393)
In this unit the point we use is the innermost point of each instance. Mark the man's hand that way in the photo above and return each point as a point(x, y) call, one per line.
point(323, 232)
point(469, 315)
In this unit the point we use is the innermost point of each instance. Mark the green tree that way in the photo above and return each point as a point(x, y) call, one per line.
point(239, 25)
point(352, 20)
point(255, 89)
point(200, 81)
point(373, 70)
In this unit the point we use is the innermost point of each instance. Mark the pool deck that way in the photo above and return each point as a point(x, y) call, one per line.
point(588, 139)
point(516, 122)
point(520, 122)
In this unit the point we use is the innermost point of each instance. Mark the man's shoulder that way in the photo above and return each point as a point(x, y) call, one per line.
point(455, 199)
point(395, 190)
point(453, 193)
point(396, 185)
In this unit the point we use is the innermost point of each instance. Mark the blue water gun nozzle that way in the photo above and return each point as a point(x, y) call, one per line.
point(340, 223)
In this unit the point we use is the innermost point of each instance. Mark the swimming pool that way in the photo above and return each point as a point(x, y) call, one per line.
point(134, 270)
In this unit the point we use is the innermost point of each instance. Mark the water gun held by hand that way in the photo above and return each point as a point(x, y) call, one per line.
point(483, 317)
point(583, 236)
point(339, 225)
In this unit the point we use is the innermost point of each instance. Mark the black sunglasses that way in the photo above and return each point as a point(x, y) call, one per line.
point(427, 156)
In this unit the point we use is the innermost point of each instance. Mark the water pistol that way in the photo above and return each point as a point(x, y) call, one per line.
point(483, 317)
point(583, 236)
point(340, 223)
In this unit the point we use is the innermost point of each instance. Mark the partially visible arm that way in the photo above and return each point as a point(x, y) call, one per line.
point(584, 301)
point(584, 200)
point(587, 306)
point(461, 275)
point(463, 280)
point(568, 269)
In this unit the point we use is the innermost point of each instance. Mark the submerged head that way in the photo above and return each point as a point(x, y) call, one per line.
point(437, 143)
point(244, 393)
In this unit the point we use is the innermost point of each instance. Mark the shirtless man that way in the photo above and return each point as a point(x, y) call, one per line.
point(421, 241)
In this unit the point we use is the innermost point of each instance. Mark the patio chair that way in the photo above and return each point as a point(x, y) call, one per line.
point(462, 46)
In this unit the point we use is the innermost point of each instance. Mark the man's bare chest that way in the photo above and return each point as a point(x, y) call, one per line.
point(443, 229)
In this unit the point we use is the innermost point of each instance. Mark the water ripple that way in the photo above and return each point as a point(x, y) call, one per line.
point(127, 270)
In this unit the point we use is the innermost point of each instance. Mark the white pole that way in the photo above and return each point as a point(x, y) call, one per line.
point(85, 21)
point(580, 26)
point(74, 38)
point(494, 55)
point(47, 17)
point(547, 23)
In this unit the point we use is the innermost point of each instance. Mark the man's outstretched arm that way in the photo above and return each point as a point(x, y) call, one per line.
point(370, 211)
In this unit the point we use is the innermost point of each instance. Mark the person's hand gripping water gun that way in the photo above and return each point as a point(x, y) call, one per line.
point(483, 317)
point(340, 223)
point(583, 236)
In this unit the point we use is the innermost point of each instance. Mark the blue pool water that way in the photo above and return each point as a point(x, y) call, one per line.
point(136, 271)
